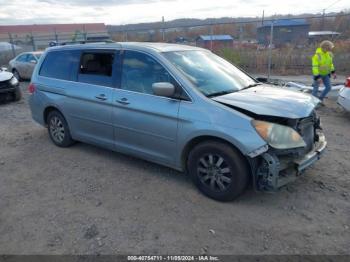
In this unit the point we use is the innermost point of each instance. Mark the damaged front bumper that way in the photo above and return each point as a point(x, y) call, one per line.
point(275, 170)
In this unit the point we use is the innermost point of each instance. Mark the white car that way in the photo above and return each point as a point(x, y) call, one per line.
point(9, 86)
point(344, 95)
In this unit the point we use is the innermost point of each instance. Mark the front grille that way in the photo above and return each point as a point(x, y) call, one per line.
point(5, 84)
point(306, 128)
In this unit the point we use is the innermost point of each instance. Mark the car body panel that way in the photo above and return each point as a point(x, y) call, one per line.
point(344, 98)
point(146, 125)
point(5, 76)
point(271, 101)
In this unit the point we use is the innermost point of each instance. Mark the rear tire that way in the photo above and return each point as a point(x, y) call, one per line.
point(16, 74)
point(17, 94)
point(58, 129)
point(218, 170)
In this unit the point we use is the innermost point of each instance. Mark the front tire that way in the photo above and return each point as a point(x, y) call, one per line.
point(58, 129)
point(218, 170)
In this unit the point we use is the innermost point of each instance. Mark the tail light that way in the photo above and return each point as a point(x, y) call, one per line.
point(31, 88)
point(347, 82)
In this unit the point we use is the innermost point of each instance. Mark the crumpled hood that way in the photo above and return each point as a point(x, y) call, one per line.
point(271, 101)
point(4, 76)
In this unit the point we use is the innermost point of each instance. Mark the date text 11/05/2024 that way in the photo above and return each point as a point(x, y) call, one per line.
point(173, 258)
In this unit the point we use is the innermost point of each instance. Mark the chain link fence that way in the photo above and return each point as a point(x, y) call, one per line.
point(261, 46)
point(13, 44)
point(266, 46)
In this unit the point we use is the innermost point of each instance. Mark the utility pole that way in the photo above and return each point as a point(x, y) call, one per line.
point(56, 36)
point(263, 18)
point(211, 36)
point(33, 41)
point(12, 46)
point(163, 31)
point(84, 33)
point(125, 36)
point(270, 52)
point(323, 14)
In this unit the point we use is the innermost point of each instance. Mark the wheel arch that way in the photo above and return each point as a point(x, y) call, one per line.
point(49, 109)
point(204, 138)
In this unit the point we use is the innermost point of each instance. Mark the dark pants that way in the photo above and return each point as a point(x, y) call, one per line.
point(327, 84)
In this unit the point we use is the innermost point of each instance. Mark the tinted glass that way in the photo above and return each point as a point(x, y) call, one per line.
point(60, 64)
point(22, 58)
point(140, 71)
point(30, 57)
point(96, 68)
point(97, 64)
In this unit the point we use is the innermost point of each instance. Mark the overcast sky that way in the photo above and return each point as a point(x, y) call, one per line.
point(136, 11)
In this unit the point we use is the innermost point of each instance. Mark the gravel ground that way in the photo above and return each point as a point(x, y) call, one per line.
point(87, 200)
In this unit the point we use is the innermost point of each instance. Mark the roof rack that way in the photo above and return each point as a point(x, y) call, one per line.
point(54, 43)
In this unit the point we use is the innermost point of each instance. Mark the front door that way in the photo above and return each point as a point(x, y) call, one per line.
point(30, 65)
point(144, 124)
point(20, 64)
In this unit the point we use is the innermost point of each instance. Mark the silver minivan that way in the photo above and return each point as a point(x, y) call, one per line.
point(179, 106)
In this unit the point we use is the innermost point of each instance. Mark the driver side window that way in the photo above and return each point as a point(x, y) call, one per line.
point(140, 71)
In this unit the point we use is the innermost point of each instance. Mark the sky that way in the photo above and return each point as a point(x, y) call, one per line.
point(118, 12)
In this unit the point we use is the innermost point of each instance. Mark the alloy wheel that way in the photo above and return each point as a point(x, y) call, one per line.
point(57, 129)
point(214, 172)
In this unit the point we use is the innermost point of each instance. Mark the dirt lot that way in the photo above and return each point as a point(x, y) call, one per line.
point(87, 200)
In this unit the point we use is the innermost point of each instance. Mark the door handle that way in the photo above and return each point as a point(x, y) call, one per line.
point(101, 97)
point(123, 101)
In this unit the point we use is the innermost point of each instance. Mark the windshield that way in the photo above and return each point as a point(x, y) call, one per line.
point(209, 73)
point(38, 55)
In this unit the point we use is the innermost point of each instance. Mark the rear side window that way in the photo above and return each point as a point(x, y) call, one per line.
point(96, 68)
point(22, 58)
point(60, 64)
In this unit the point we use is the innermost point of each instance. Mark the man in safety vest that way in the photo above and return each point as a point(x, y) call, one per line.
point(323, 68)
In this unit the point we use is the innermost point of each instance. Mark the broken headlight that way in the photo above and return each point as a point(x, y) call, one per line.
point(14, 81)
point(278, 136)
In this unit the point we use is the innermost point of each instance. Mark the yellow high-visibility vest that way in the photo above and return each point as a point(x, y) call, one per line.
point(322, 63)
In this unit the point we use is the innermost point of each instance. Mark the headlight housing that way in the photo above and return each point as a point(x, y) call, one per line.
point(14, 81)
point(278, 136)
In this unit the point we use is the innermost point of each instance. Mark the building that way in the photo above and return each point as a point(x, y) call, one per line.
point(318, 36)
point(294, 31)
point(42, 34)
point(214, 42)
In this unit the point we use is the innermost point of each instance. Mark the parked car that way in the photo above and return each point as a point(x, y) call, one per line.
point(179, 106)
point(9, 86)
point(22, 66)
point(344, 95)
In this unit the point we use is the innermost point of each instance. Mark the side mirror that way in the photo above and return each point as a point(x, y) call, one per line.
point(163, 89)
point(33, 61)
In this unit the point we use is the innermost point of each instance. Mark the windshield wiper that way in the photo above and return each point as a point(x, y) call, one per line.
point(251, 85)
point(221, 93)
